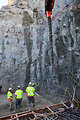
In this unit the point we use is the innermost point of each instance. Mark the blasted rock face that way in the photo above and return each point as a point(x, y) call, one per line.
point(24, 45)
point(76, 9)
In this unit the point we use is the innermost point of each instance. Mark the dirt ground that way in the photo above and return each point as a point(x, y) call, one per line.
point(40, 102)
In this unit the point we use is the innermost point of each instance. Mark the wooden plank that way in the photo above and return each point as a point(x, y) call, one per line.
point(38, 112)
point(50, 109)
point(65, 105)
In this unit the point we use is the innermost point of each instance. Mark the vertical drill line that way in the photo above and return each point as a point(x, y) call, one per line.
point(51, 43)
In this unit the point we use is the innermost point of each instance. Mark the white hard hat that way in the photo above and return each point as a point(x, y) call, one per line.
point(30, 83)
point(10, 89)
point(18, 86)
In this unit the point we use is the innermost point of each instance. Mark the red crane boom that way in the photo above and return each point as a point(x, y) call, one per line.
point(49, 4)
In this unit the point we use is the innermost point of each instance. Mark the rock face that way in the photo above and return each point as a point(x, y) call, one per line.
point(25, 53)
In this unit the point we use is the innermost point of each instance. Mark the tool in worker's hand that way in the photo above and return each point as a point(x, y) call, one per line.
point(37, 94)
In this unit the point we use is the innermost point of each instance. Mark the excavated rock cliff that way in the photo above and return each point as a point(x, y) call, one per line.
point(25, 53)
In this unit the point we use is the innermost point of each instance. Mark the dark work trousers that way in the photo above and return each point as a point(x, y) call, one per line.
point(18, 103)
point(31, 100)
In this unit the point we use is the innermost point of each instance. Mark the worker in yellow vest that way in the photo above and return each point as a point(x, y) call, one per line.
point(30, 91)
point(10, 97)
point(18, 97)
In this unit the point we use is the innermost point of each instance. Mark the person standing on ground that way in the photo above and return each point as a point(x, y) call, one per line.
point(10, 98)
point(35, 85)
point(18, 97)
point(30, 91)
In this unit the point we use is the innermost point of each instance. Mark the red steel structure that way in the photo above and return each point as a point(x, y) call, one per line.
point(49, 4)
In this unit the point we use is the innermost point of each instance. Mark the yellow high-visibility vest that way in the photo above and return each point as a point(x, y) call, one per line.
point(9, 95)
point(30, 91)
point(18, 94)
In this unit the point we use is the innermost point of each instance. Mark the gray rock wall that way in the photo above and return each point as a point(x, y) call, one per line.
point(25, 53)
